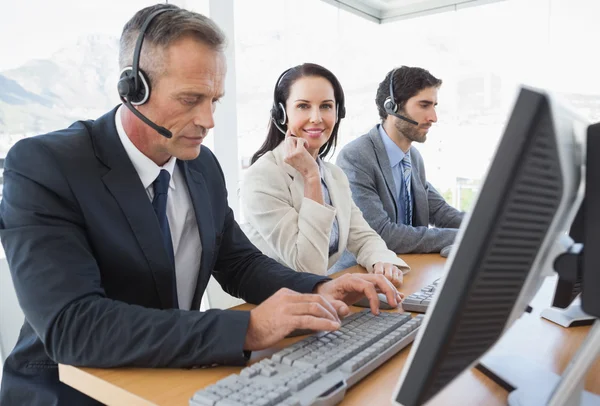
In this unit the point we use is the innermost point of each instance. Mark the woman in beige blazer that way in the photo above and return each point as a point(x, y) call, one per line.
point(298, 208)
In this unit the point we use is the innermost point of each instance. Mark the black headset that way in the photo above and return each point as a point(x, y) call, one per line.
point(390, 106)
point(134, 86)
point(279, 116)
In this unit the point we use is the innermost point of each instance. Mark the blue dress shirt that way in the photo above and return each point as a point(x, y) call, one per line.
point(395, 156)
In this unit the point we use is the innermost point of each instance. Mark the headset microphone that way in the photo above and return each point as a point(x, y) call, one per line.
point(133, 87)
point(390, 106)
point(161, 130)
point(408, 120)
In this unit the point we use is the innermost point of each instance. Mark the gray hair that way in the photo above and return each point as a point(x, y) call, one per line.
point(165, 28)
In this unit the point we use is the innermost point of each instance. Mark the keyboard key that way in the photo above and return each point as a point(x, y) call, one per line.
point(327, 366)
point(272, 396)
point(247, 391)
point(206, 398)
point(306, 363)
point(283, 391)
point(268, 371)
point(351, 365)
point(295, 384)
point(248, 372)
point(291, 402)
point(290, 358)
point(222, 391)
point(229, 402)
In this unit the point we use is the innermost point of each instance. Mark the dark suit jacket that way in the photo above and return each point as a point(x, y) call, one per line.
point(365, 162)
point(93, 277)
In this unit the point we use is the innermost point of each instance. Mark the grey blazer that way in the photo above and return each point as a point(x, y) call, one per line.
point(366, 164)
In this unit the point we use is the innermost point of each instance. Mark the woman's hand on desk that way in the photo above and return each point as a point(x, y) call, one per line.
point(287, 311)
point(390, 271)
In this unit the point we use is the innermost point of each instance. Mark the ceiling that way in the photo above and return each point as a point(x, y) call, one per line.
point(383, 11)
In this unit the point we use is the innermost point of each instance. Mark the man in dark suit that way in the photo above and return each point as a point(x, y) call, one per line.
point(112, 231)
point(387, 175)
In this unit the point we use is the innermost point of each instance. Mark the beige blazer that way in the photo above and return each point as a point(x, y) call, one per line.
point(295, 230)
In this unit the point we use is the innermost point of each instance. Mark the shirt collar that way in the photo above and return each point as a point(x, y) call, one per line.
point(146, 169)
point(395, 154)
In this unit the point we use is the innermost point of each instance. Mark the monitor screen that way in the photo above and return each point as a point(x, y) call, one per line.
point(529, 198)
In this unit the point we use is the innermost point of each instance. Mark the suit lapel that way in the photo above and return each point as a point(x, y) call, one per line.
point(124, 184)
point(202, 207)
point(384, 165)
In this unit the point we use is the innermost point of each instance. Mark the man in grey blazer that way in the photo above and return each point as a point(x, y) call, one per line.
point(387, 175)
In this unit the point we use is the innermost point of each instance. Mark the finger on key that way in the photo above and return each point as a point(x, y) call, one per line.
point(381, 283)
point(314, 323)
point(313, 309)
point(314, 298)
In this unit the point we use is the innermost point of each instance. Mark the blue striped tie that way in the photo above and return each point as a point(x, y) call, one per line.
point(406, 172)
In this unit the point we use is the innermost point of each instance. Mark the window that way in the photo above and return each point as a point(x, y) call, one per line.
point(481, 53)
point(64, 70)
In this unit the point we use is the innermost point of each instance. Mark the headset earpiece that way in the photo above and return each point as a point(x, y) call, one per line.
point(339, 113)
point(136, 95)
point(278, 114)
point(281, 115)
point(390, 106)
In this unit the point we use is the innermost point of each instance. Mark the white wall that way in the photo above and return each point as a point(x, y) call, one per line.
point(225, 139)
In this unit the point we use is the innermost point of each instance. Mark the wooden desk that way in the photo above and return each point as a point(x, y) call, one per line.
point(531, 338)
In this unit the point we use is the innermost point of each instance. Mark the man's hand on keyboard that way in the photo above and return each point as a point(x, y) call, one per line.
point(287, 311)
point(350, 288)
point(390, 271)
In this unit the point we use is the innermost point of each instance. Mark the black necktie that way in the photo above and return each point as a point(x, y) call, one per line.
point(161, 188)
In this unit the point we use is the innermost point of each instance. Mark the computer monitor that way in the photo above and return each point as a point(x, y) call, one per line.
point(568, 285)
point(575, 267)
point(591, 260)
point(506, 244)
point(566, 308)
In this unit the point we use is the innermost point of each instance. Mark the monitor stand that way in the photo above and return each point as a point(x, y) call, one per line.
point(530, 384)
point(572, 316)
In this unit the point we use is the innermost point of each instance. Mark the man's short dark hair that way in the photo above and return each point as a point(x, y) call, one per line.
point(408, 82)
